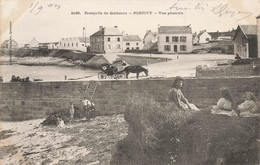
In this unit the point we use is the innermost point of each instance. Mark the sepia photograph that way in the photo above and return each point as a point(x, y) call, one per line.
point(130, 82)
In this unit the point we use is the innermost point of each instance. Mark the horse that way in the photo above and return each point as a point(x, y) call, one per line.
point(135, 69)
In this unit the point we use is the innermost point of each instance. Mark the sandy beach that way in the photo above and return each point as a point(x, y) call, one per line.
point(28, 142)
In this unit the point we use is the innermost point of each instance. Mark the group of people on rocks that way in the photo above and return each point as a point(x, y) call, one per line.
point(18, 79)
point(226, 105)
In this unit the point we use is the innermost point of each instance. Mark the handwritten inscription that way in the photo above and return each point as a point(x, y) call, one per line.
point(37, 7)
point(220, 10)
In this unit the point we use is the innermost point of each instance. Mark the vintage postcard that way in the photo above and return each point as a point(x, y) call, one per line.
point(129, 82)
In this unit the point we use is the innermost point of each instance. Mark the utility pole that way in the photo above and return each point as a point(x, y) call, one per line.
point(84, 35)
point(10, 43)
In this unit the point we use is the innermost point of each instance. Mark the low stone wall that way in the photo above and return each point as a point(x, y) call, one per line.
point(227, 71)
point(140, 60)
point(31, 100)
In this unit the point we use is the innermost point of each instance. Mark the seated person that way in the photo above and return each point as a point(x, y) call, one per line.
point(248, 108)
point(225, 104)
point(176, 96)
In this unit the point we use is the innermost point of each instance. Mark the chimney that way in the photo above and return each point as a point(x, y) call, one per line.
point(100, 27)
point(115, 26)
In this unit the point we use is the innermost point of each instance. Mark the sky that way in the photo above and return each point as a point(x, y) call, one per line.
point(51, 20)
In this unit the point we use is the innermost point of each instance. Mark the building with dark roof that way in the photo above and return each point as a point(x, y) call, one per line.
point(132, 42)
point(107, 40)
point(245, 41)
point(75, 43)
point(174, 39)
point(6, 44)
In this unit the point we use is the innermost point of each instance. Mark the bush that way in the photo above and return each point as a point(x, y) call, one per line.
point(148, 122)
point(164, 134)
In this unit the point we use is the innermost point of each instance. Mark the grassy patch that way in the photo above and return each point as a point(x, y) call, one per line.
point(167, 135)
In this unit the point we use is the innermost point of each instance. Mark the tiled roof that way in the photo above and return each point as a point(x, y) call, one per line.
point(174, 30)
point(82, 39)
point(150, 32)
point(112, 31)
point(6, 42)
point(99, 33)
point(215, 35)
point(131, 38)
point(108, 31)
point(249, 29)
point(200, 33)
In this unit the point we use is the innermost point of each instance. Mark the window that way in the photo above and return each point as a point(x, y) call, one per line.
point(108, 46)
point(137, 44)
point(175, 39)
point(82, 44)
point(183, 39)
point(127, 44)
point(68, 44)
point(118, 47)
point(118, 39)
point(137, 48)
point(72, 44)
point(207, 39)
point(64, 45)
point(108, 39)
point(77, 44)
point(127, 48)
point(167, 47)
point(167, 39)
point(183, 48)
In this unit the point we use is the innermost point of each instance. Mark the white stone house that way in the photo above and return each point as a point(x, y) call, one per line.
point(34, 43)
point(204, 37)
point(174, 39)
point(74, 43)
point(132, 42)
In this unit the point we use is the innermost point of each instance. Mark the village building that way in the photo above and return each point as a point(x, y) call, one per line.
point(53, 45)
point(204, 37)
point(34, 43)
point(74, 43)
point(132, 42)
point(174, 39)
point(195, 38)
point(6, 44)
point(107, 40)
point(150, 40)
point(228, 35)
point(245, 41)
